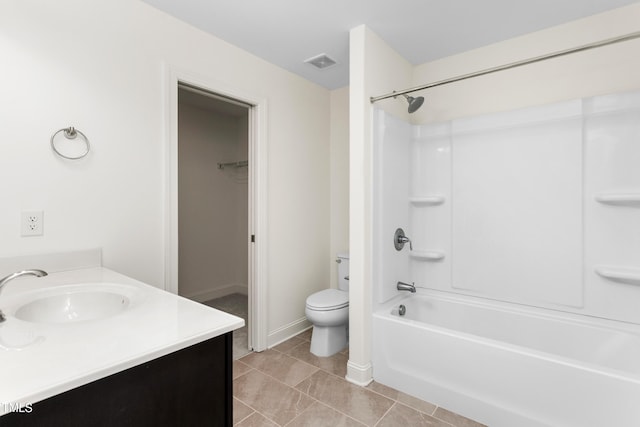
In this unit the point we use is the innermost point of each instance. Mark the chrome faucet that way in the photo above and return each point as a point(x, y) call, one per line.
point(7, 279)
point(406, 287)
point(399, 239)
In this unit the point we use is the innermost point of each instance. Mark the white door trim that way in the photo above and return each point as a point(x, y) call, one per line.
point(258, 203)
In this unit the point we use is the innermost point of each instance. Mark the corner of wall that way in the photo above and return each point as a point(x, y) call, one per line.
point(339, 178)
point(375, 68)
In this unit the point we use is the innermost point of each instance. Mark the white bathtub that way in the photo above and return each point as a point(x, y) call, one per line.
point(511, 366)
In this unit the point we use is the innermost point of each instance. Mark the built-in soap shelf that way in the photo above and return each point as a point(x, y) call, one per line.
point(427, 200)
point(427, 255)
point(620, 274)
point(619, 199)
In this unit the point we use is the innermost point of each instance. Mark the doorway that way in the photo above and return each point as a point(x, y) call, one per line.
point(213, 175)
point(216, 213)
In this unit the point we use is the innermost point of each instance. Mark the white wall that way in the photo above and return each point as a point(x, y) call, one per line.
point(599, 71)
point(392, 170)
point(100, 66)
point(519, 218)
point(339, 177)
point(374, 68)
point(609, 69)
point(213, 203)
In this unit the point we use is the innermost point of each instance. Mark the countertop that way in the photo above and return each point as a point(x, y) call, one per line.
point(40, 360)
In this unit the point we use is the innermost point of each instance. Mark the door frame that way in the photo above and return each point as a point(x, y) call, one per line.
point(258, 206)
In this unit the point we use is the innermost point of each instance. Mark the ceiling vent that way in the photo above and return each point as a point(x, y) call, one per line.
point(321, 61)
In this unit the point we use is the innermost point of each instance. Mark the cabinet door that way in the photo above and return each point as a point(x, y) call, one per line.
point(190, 387)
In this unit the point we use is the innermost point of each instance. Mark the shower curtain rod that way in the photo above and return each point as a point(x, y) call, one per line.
point(582, 48)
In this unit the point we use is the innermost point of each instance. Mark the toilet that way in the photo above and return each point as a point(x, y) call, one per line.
point(328, 310)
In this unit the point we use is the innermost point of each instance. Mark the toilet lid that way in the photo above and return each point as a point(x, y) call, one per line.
point(329, 299)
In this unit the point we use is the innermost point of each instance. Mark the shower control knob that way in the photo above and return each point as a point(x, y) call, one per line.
point(399, 239)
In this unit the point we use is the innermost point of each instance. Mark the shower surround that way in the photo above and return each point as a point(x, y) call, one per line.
point(533, 214)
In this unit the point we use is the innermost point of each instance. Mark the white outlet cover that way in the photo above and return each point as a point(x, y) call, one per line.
point(32, 223)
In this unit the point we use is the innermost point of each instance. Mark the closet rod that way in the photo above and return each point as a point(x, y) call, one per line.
point(240, 164)
point(582, 48)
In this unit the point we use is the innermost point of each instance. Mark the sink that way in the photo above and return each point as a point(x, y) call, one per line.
point(75, 304)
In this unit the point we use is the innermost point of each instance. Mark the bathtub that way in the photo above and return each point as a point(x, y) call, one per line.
point(508, 365)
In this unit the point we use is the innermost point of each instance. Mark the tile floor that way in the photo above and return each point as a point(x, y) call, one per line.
point(236, 304)
point(288, 386)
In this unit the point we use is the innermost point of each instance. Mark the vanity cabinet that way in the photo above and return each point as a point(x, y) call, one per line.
point(189, 387)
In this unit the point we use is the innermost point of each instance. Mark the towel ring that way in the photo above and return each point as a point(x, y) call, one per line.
point(71, 133)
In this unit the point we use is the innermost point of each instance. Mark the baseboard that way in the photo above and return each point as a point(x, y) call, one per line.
point(220, 292)
point(359, 374)
point(287, 331)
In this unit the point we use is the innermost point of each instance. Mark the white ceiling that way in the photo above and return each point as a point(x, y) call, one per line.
point(286, 32)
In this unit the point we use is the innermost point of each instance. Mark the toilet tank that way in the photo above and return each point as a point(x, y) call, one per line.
point(343, 271)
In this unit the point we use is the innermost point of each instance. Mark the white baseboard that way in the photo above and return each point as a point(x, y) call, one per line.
point(220, 292)
point(361, 375)
point(287, 331)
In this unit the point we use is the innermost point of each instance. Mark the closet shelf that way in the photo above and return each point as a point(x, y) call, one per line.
point(427, 255)
point(620, 274)
point(240, 164)
point(427, 200)
point(619, 199)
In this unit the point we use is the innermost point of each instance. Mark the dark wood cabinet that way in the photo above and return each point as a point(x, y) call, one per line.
point(190, 387)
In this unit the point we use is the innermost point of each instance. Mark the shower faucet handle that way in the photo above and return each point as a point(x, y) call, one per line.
point(404, 240)
point(399, 239)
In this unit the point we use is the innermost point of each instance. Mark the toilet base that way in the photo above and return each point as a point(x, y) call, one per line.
point(328, 340)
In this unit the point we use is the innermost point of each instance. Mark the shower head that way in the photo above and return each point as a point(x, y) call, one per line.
point(414, 103)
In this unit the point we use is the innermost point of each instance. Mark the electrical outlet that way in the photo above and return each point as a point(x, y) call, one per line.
point(32, 223)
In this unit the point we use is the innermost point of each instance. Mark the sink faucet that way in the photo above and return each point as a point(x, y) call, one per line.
point(7, 279)
point(406, 287)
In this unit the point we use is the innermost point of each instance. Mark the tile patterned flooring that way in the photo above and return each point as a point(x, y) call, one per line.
point(236, 304)
point(289, 386)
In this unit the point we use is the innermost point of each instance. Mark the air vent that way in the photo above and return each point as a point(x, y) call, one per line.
point(321, 61)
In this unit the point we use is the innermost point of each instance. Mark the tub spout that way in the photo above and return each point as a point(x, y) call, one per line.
point(406, 287)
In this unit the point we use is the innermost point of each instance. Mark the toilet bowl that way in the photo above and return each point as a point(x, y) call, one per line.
point(328, 310)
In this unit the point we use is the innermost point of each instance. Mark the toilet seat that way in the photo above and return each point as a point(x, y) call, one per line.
point(329, 299)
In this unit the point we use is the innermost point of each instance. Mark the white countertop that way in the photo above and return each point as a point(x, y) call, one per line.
point(40, 360)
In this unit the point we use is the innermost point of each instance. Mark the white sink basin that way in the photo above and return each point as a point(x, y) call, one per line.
point(74, 304)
